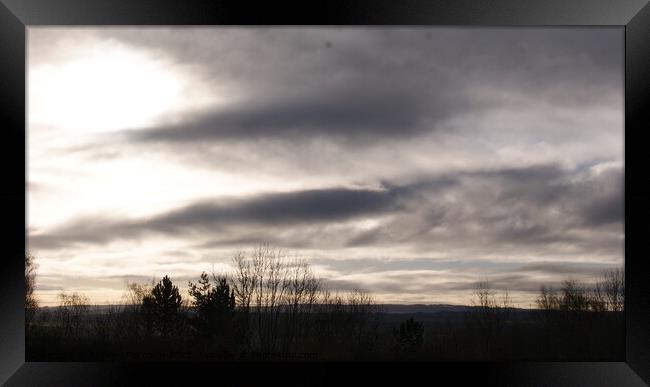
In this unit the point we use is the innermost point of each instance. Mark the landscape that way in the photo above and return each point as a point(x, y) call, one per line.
point(275, 309)
point(325, 194)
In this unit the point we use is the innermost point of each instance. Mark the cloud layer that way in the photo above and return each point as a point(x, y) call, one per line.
point(410, 161)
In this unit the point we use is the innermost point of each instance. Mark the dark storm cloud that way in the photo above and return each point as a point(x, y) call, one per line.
point(350, 114)
point(302, 206)
point(595, 198)
point(535, 174)
point(605, 203)
point(605, 210)
point(534, 207)
point(494, 151)
point(279, 209)
point(265, 56)
point(374, 84)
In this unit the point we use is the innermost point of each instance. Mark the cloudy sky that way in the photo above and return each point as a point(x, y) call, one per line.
point(411, 162)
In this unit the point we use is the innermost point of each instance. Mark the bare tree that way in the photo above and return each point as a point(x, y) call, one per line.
point(491, 314)
point(361, 307)
point(70, 314)
point(506, 309)
point(134, 321)
point(547, 302)
point(136, 292)
point(613, 284)
point(485, 301)
point(345, 324)
point(596, 298)
point(574, 297)
point(288, 306)
point(30, 283)
point(244, 282)
point(300, 296)
point(260, 284)
point(484, 297)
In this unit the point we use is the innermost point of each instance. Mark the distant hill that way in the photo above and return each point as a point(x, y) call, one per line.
point(385, 308)
point(423, 308)
point(432, 308)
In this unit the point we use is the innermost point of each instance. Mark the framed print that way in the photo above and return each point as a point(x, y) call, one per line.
point(211, 191)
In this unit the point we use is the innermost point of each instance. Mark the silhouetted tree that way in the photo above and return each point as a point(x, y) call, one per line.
point(490, 314)
point(263, 287)
point(30, 283)
point(548, 303)
point(300, 298)
point(135, 321)
point(361, 307)
point(164, 304)
point(548, 299)
point(214, 305)
point(410, 335)
point(70, 314)
point(282, 306)
point(486, 303)
point(613, 284)
point(574, 297)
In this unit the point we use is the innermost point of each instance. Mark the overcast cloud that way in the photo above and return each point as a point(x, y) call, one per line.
point(411, 162)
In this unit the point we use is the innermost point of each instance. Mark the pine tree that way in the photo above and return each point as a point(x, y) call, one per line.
point(164, 303)
point(214, 305)
point(410, 335)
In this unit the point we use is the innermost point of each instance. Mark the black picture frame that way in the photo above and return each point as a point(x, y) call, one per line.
point(17, 15)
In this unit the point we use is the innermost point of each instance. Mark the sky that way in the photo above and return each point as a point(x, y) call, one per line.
point(409, 162)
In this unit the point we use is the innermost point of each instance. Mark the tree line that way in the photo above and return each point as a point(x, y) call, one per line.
point(271, 305)
point(576, 317)
point(274, 306)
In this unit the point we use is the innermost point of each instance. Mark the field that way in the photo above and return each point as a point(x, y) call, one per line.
point(120, 333)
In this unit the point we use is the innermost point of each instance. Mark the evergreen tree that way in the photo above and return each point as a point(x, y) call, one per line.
point(410, 335)
point(214, 305)
point(163, 304)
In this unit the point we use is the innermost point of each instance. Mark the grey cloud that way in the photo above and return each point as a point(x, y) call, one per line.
point(527, 55)
point(84, 230)
point(374, 83)
point(143, 279)
point(301, 206)
point(416, 284)
point(299, 212)
point(567, 268)
point(349, 115)
point(605, 210)
point(534, 207)
point(425, 114)
point(346, 286)
point(57, 283)
point(272, 209)
point(606, 198)
point(502, 271)
point(537, 206)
